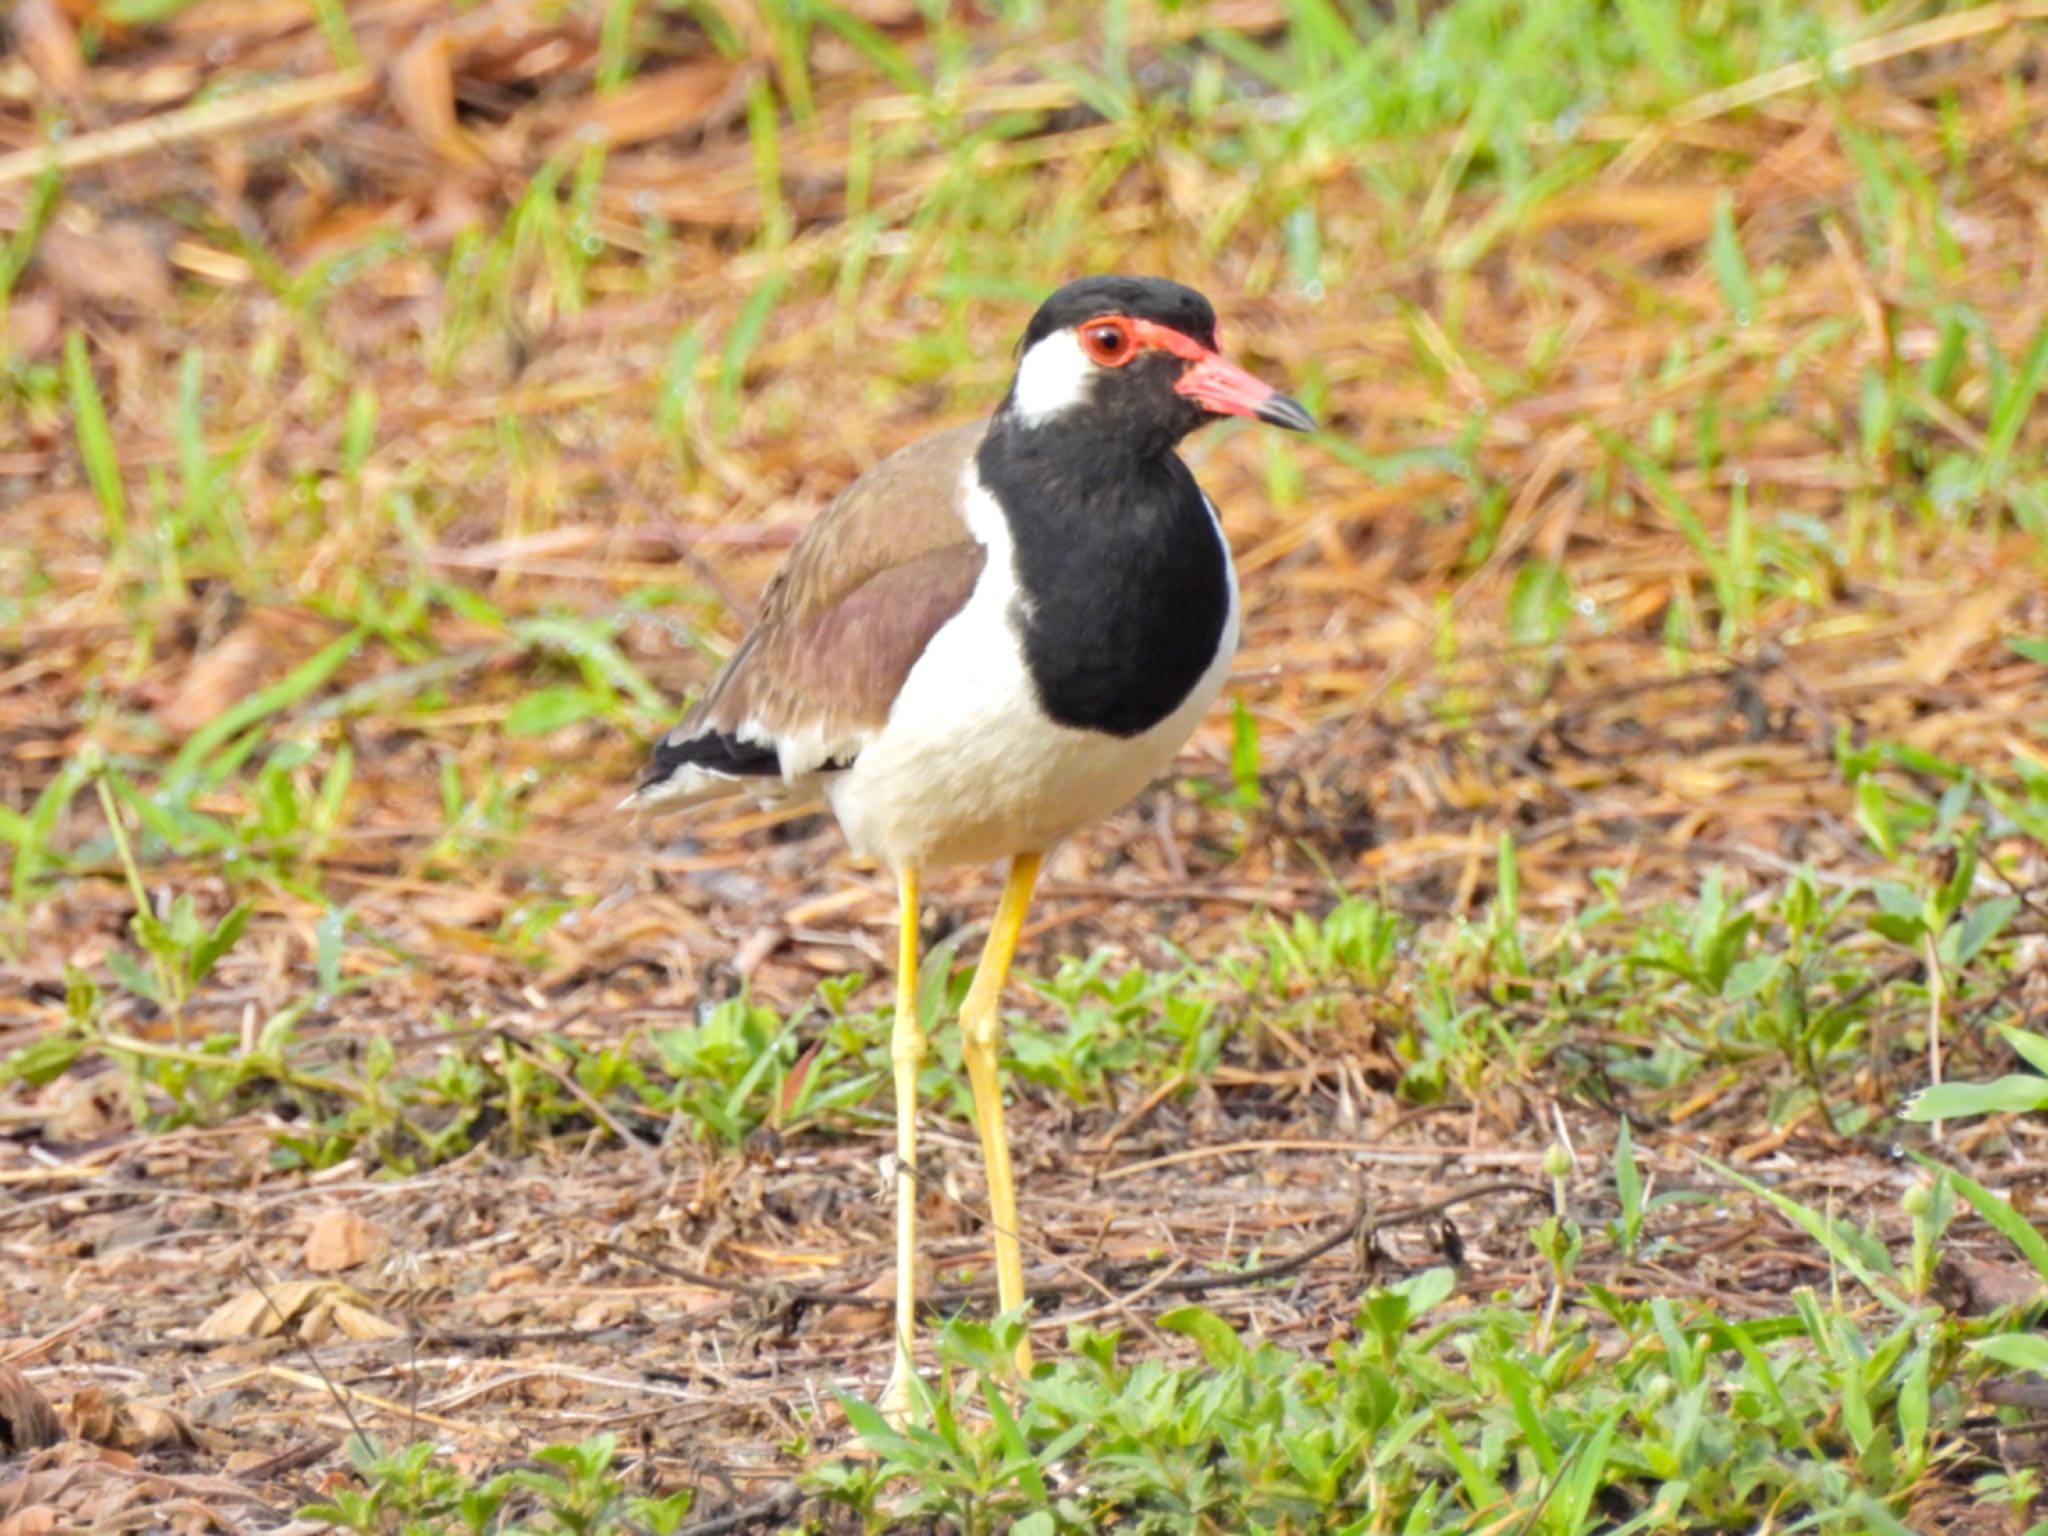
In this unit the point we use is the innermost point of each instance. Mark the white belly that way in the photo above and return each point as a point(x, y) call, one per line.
point(969, 769)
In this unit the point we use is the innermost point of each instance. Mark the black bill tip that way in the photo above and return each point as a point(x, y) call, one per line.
point(1281, 411)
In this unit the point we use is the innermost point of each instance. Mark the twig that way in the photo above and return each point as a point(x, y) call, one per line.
point(1144, 1107)
point(194, 122)
point(1170, 1285)
point(340, 1398)
point(1850, 57)
point(291, 1459)
point(1934, 1000)
point(1406, 1156)
point(1191, 1285)
point(35, 1348)
point(583, 1096)
point(777, 1506)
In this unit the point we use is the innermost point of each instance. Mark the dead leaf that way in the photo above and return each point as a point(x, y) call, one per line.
point(423, 90)
point(1972, 622)
point(603, 1312)
point(33, 323)
point(1981, 1286)
point(256, 1314)
point(49, 47)
point(340, 1238)
point(91, 1414)
point(120, 1423)
point(217, 679)
point(851, 1318)
point(119, 264)
point(359, 1323)
point(27, 1422)
point(312, 1309)
point(656, 105)
point(155, 1426)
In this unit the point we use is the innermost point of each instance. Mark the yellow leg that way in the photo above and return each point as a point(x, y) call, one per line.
point(980, 1036)
point(906, 1055)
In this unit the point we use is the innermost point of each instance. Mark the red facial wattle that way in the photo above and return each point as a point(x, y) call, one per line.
point(1218, 385)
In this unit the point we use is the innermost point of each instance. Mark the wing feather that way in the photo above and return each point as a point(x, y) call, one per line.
point(842, 623)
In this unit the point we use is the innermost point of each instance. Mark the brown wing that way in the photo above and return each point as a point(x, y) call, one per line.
point(842, 623)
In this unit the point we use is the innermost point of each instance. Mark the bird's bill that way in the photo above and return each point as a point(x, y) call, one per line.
point(1218, 385)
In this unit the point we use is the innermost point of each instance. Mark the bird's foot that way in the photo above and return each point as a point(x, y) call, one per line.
point(894, 1403)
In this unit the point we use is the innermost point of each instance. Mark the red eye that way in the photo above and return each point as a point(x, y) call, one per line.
point(1109, 341)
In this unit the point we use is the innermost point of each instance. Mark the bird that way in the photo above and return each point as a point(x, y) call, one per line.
point(993, 637)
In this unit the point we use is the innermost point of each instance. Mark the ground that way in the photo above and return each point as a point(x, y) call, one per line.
point(1471, 1089)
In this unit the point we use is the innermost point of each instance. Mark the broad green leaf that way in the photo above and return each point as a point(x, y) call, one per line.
point(207, 952)
point(1481, 1491)
point(1873, 813)
point(129, 972)
point(1428, 1290)
point(1019, 1463)
point(2014, 1094)
point(2033, 1049)
point(874, 1430)
point(1519, 1389)
point(1216, 1339)
point(1984, 923)
point(2015, 1351)
point(42, 1060)
point(1900, 930)
point(1746, 978)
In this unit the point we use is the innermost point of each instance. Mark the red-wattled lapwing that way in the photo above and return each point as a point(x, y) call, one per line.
point(995, 636)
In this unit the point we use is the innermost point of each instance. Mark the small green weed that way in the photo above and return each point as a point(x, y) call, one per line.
point(567, 1490)
point(1620, 1415)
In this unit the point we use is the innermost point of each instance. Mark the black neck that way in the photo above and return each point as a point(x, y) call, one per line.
point(1126, 583)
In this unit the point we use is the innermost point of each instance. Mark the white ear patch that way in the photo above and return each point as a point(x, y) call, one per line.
point(1052, 378)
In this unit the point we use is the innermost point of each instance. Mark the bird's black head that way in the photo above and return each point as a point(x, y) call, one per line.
point(1133, 361)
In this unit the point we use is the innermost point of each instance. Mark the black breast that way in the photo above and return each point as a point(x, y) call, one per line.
point(1126, 583)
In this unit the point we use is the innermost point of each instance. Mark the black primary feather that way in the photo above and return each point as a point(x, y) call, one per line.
point(714, 752)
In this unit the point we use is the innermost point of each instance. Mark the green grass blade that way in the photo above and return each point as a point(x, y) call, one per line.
point(1731, 267)
point(740, 342)
point(2015, 405)
point(1847, 1248)
point(1995, 1209)
point(872, 44)
point(280, 695)
point(16, 251)
point(95, 440)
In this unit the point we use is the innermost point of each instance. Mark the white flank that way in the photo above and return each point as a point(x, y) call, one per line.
point(1054, 376)
point(968, 767)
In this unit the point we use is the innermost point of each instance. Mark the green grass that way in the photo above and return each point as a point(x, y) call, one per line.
point(1816, 982)
point(1613, 1413)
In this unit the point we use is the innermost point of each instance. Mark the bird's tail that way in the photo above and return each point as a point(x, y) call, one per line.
point(690, 767)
